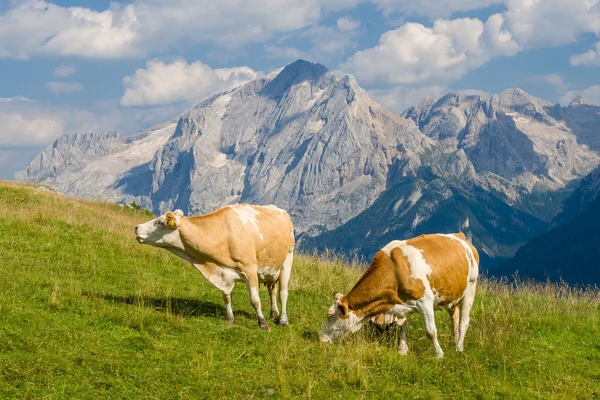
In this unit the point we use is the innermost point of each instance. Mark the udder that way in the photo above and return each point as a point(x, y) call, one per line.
point(268, 274)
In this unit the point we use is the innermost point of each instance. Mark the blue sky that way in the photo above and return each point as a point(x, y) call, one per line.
point(71, 66)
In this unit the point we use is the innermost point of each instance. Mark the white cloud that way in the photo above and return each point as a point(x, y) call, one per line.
point(37, 130)
point(328, 41)
point(161, 83)
point(286, 53)
point(591, 93)
point(59, 88)
point(399, 98)
point(64, 70)
point(589, 58)
point(536, 23)
point(347, 24)
point(141, 27)
point(414, 53)
point(27, 122)
point(553, 79)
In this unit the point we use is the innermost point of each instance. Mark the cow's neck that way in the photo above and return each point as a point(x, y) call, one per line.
point(377, 290)
point(199, 238)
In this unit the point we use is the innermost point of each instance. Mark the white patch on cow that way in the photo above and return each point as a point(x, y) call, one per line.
point(255, 300)
point(156, 233)
point(247, 215)
point(391, 246)
point(335, 327)
point(402, 311)
point(222, 278)
point(268, 274)
point(418, 266)
point(473, 267)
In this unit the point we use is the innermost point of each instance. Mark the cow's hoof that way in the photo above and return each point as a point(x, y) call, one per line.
point(274, 314)
point(264, 325)
point(283, 321)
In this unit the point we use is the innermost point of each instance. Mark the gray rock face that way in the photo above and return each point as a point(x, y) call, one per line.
point(524, 140)
point(303, 140)
point(320, 148)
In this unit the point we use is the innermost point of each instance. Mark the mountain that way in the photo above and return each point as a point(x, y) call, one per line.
point(569, 252)
point(351, 174)
point(519, 145)
point(302, 139)
point(571, 249)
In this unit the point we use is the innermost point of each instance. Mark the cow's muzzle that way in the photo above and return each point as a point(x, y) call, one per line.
point(324, 338)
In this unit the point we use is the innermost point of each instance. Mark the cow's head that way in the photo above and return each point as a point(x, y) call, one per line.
point(341, 320)
point(161, 231)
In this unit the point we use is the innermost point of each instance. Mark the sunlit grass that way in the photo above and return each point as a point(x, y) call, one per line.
point(87, 312)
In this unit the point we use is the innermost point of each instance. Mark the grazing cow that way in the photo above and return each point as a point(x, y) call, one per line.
point(420, 274)
point(240, 243)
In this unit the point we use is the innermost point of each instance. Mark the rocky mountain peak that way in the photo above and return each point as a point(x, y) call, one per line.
point(298, 72)
point(579, 100)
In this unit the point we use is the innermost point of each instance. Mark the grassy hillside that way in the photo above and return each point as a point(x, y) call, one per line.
point(87, 312)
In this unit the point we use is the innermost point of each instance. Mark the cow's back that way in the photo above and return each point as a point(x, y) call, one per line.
point(266, 231)
point(454, 263)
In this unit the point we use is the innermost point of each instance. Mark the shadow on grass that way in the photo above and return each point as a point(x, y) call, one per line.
point(312, 336)
point(173, 305)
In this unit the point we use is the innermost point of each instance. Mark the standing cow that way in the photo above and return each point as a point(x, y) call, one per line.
point(420, 274)
point(240, 243)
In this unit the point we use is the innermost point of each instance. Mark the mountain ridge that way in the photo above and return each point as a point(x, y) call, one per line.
point(321, 148)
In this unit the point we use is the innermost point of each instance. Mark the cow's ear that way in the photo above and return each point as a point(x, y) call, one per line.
point(341, 304)
point(172, 220)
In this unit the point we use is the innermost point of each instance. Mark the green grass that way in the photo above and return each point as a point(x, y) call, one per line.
point(87, 312)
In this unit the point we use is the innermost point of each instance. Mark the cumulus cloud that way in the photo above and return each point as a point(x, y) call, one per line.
point(37, 27)
point(64, 70)
point(445, 52)
point(328, 41)
point(591, 93)
point(347, 24)
point(550, 22)
point(26, 122)
point(161, 83)
point(58, 88)
point(589, 58)
point(414, 53)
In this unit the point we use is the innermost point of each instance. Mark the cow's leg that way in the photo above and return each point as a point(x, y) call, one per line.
point(284, 278)
point(403, 348)
point(465, 310)
point(255, 298)
point(426, 310)
point(273, 294)
point(228, 309)
point(454, 320)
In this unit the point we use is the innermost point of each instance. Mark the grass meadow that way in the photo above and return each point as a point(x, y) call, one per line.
point(87, 313)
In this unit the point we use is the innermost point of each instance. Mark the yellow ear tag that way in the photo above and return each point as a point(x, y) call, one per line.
point(171, 223)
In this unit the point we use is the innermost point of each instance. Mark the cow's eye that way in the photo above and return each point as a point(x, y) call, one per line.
point(159, 222)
